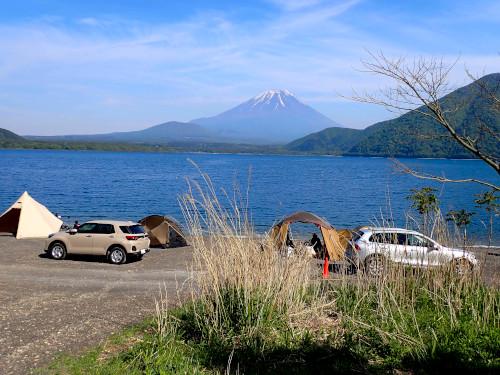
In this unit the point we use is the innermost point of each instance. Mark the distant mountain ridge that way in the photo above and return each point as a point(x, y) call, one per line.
point(336, 141)
point(7, 135)
point(172, 131)
point(398, 137)
point(274, 116)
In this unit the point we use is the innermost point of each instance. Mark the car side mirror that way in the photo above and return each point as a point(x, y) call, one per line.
point(73, 231)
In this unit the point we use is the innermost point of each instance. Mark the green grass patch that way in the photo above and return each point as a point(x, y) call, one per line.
point(369, 329)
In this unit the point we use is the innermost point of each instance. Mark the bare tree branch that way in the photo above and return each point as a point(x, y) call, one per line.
point(485, 92)
point(402, 168)
point(422, 83)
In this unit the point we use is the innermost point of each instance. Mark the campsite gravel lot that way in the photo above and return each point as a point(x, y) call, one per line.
point(47, 306)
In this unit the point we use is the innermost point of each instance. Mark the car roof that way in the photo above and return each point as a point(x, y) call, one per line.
point(114, 222)
point(388, 230)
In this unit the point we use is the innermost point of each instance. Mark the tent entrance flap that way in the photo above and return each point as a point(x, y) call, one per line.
point(279, 235)
point(10, 220)
point(333, 246)
point(332, 243)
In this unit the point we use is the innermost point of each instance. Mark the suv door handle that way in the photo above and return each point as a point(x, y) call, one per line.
point(88, 236)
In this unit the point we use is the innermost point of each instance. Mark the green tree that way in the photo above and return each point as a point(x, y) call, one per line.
point(461, 219)
point(426, 203)
point(487, 201)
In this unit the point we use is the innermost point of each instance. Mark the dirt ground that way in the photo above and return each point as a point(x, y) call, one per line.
point(47, 306)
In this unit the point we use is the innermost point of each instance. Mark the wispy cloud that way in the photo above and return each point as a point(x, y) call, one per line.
point(291, 5)
point(89, 21)
point(295, 5)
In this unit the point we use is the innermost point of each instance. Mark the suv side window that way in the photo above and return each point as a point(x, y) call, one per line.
point(376, 237)
point(387, 238)
point(106, 229)
point(416, 240)
point(125, 229)
point(402, 239)
point(88, 228)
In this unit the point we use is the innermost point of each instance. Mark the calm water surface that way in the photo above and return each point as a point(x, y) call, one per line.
point(346, 191)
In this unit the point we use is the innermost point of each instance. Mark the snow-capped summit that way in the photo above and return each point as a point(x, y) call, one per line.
point(274, 98)
point(273, 116)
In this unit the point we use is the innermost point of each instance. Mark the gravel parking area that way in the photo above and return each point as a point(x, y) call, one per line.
point(48, 306)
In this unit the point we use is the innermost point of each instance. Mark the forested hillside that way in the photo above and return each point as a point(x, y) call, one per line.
point(416, 135)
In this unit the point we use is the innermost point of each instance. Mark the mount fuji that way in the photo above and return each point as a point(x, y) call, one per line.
point(274, 116)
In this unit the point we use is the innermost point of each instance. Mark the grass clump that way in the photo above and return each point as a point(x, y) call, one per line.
point(422, 320)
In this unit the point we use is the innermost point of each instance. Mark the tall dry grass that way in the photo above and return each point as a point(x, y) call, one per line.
point(246, 289)
point(251, 297)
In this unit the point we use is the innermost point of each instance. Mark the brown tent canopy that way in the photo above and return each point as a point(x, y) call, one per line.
point(304, 217)
point(333, 245)
point(163, 231)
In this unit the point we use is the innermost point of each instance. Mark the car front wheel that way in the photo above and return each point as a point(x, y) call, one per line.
point(376, 265)
point(117, 255)
point(57, 251)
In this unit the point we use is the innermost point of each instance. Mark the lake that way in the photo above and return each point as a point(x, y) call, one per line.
point(347, 191)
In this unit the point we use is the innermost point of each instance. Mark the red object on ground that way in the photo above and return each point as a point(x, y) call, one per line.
point(325, 269)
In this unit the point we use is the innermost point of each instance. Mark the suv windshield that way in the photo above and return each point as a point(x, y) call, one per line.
point(356, 236)
point(132, 229)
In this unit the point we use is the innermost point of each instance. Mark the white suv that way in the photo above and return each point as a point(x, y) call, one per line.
point(373, 248)
point(115, 239)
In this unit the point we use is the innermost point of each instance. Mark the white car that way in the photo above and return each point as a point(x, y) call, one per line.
point(373, 248)
point(117, 240)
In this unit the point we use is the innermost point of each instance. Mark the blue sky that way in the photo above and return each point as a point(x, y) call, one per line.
point(84, 67)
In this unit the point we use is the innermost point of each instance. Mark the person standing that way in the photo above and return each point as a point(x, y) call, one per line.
point(315, 242)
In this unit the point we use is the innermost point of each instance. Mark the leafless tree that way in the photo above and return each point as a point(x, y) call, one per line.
point(419, 86)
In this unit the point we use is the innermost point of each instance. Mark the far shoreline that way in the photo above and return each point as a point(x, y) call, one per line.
point(160, 150)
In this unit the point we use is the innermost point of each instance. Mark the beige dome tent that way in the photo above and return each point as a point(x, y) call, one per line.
point(163, 231)
point(333, 246)
point(27, 218)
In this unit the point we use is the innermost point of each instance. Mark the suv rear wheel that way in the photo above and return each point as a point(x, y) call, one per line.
point(376, 265)
point(117, 255)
